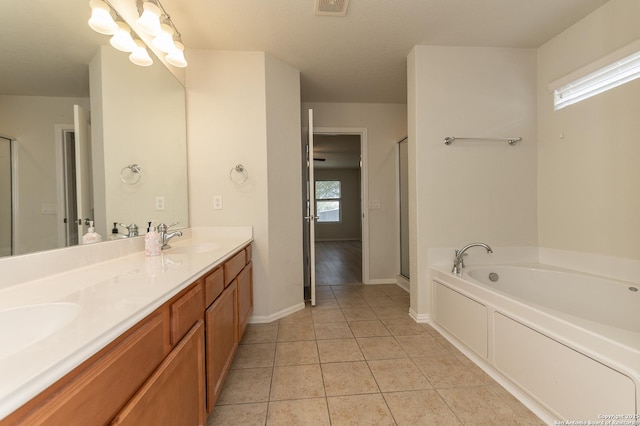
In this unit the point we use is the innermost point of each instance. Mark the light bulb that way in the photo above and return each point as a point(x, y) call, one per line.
point(122, 39)
point(101, 20)
point(164, 40)
point(139, 55)
point(176, 56)
point(149, 20)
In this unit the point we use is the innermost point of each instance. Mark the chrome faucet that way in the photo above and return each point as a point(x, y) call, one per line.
point(166, 236)
point(458, 262)
point(132, 230)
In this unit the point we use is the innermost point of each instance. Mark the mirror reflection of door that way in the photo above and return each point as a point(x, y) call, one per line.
point(6, 198)
point(76, 189)
point(69, 188)
point(84, 187)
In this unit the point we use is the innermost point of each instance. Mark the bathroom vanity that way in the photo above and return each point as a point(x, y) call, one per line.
point(149, 340)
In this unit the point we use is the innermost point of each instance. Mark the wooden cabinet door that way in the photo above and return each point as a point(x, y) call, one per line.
point(93, 395)
point(221, 340)
point(175, 393)
point(245, 298)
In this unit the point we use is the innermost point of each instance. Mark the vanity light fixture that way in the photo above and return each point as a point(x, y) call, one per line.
point(139, 55)
point(153, 20)
point(156, 22)
point(122, 39)
point(164, 40)
point(149, 19)
point(101, 20)
point(176, 56)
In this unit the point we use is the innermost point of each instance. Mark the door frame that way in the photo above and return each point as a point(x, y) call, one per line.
point(364, 187)
point(60, 130)
point(15, 200)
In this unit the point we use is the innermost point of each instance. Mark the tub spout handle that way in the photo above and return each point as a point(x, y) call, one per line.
point(458, 259)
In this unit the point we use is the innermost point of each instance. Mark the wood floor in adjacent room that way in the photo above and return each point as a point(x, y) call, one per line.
point(338, 262)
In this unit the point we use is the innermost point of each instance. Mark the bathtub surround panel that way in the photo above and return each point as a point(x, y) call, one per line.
point(244, 107)
point(463, 317)
point(472, 190)
point(606, 266)
point(587, 159)
point(521, 353)
point(560, 361)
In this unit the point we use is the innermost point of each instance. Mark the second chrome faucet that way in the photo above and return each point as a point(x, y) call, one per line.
point(458, 262)
point(166, 236)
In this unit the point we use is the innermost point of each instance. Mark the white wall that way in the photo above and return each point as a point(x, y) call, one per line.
point(31, 120)
point(588, 179)
point(284, 132)
point(386, 124)
point(471, 190)
point(240, 109)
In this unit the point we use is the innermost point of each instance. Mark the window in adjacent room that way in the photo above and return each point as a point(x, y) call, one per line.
point(328, 201)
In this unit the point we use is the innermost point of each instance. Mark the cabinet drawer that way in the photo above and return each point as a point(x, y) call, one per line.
point(185, 312)
point(213, 286)
point(95, 394)
point(233, 266)
point(248, 253)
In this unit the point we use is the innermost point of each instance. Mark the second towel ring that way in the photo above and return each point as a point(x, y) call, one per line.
point(132, 176)
point(238, 174)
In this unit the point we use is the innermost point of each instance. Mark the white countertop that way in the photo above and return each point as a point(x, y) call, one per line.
point(109, 297)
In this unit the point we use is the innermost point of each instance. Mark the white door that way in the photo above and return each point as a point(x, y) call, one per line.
point(311, 213)
point(84, 192)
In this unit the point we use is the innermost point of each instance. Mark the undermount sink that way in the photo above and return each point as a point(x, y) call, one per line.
point(23, 326)
point(193, 248)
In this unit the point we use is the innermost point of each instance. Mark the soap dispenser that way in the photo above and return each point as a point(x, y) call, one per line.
point(91, 236)
point(152, 241)
point(115, 235)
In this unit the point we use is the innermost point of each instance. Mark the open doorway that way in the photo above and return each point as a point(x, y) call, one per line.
point(309, 206)
point(338, 198)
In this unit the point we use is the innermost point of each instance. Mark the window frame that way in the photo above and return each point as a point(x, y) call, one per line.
point(329, 199)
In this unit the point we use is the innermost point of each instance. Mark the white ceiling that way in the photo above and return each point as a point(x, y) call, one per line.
point(362, 57)
point(45, 45)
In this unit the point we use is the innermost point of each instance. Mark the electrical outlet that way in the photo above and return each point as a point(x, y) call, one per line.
point(217, 202)
point(160, 203)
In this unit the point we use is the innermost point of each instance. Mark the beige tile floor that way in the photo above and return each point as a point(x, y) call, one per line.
point(357, 358)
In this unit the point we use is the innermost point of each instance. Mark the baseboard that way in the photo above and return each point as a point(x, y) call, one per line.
point(264, 319)
point(420, 318)
point(403, 282)
point(382, 281)
point(328, 240)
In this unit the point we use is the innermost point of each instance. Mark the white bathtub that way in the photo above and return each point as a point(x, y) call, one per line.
point(569, 341)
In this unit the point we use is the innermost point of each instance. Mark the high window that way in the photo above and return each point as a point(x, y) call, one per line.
point(328, 200)
point(605, 74)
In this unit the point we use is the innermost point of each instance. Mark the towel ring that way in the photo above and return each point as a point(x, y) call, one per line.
point(131, 174)
point(238, 174)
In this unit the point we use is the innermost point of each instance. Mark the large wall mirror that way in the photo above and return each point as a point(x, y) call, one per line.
point(77, 118)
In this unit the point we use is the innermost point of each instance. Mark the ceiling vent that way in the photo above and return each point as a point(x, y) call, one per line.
point(331, 7)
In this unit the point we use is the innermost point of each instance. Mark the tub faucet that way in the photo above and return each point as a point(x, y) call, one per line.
point(458, 262)
point(166, 236)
